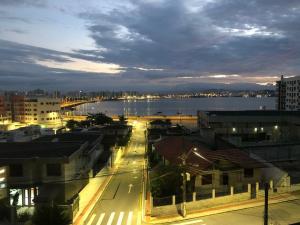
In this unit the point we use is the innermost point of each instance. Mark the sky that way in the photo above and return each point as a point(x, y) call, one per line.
point(147, 45)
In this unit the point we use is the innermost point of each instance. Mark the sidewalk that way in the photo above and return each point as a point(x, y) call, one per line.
point(173, 215)
point(92, 192)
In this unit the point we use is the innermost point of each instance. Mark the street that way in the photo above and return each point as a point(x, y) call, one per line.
point(279, 214)
point(121, 200)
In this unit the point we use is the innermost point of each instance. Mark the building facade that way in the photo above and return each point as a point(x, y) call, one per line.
point(5, 113)
point(42, 111)
point(254, 125)
point(288, 91)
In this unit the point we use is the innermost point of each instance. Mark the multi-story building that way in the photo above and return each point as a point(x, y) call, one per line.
point(255, 125)
point(44, 111)
point(5, 113)
point(288, 91)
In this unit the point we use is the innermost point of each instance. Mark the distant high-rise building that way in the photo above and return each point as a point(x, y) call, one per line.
point(288, 93)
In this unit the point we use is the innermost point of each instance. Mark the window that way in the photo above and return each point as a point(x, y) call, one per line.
point(53, 169)
point(248, 173)
point(16, 170)
point(224, 179)
point(206, 179)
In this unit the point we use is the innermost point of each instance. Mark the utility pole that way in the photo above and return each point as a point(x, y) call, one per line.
point(184, 187)
point(266, 203)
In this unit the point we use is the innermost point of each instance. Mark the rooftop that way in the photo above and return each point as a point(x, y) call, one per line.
point(16, 150)
point(171, 148)
point(252, 113)
point(70, 137)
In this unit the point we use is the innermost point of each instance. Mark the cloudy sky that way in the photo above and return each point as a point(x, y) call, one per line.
point(147, 44)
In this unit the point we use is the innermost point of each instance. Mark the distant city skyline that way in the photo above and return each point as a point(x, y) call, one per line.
point(147, 45)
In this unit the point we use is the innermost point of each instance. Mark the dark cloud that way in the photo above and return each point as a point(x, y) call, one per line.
point(24, 2)
point(250, 38)
point(168, 35)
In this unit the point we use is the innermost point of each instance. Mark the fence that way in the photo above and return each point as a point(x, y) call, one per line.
point(207, 194)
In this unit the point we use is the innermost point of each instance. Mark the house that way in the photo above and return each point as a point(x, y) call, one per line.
point(212, 169)
point(49, 169)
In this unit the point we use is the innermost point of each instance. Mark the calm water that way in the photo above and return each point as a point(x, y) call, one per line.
point(187, 106)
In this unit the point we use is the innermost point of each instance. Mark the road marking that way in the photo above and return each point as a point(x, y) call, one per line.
point(129, 218)
point(139, 218)
point(91, 220)
point(100, 219)
point(120, 218)
point(111, 218)
point(129, 188)
point(189, 222)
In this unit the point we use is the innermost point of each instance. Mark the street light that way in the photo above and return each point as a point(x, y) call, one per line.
point(184, 157)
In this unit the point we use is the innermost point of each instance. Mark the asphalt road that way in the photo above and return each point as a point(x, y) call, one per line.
point(120, 203)
point(284, 213)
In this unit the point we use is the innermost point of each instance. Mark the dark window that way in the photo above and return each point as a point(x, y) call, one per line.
point(53, 169)
point(16, 170)
point(206, 179)
point(248, 173)
point(224, 179)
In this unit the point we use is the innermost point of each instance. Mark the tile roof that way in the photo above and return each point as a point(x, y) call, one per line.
point(171, 148)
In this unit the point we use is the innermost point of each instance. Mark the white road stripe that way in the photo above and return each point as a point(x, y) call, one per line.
point(139, 218)
point(189, 222)
point(129, 218)
point(91, 219)
point(120, 218)
point(111, 218)
point(100, 219)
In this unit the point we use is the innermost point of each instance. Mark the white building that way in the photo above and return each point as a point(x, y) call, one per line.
point(288, 90)
point(43, 111)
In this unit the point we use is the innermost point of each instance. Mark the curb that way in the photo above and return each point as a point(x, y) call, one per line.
point(221, 209)
point(79, 219)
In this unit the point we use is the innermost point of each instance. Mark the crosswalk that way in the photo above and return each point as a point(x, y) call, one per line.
point(115, 218)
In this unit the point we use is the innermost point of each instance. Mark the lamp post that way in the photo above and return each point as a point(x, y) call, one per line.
point(183, 158)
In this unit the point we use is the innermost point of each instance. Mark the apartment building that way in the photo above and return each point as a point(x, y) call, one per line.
point(42, 111)
point(5, 113)
point(45, 111)
point(288, 91)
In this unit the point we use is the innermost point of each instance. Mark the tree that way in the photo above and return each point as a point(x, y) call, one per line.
point(85, 123)
point(122, 119)
point(72, 124)
point(4, 211)
point(161, 178)
point(49, 215)
point(99, 119)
